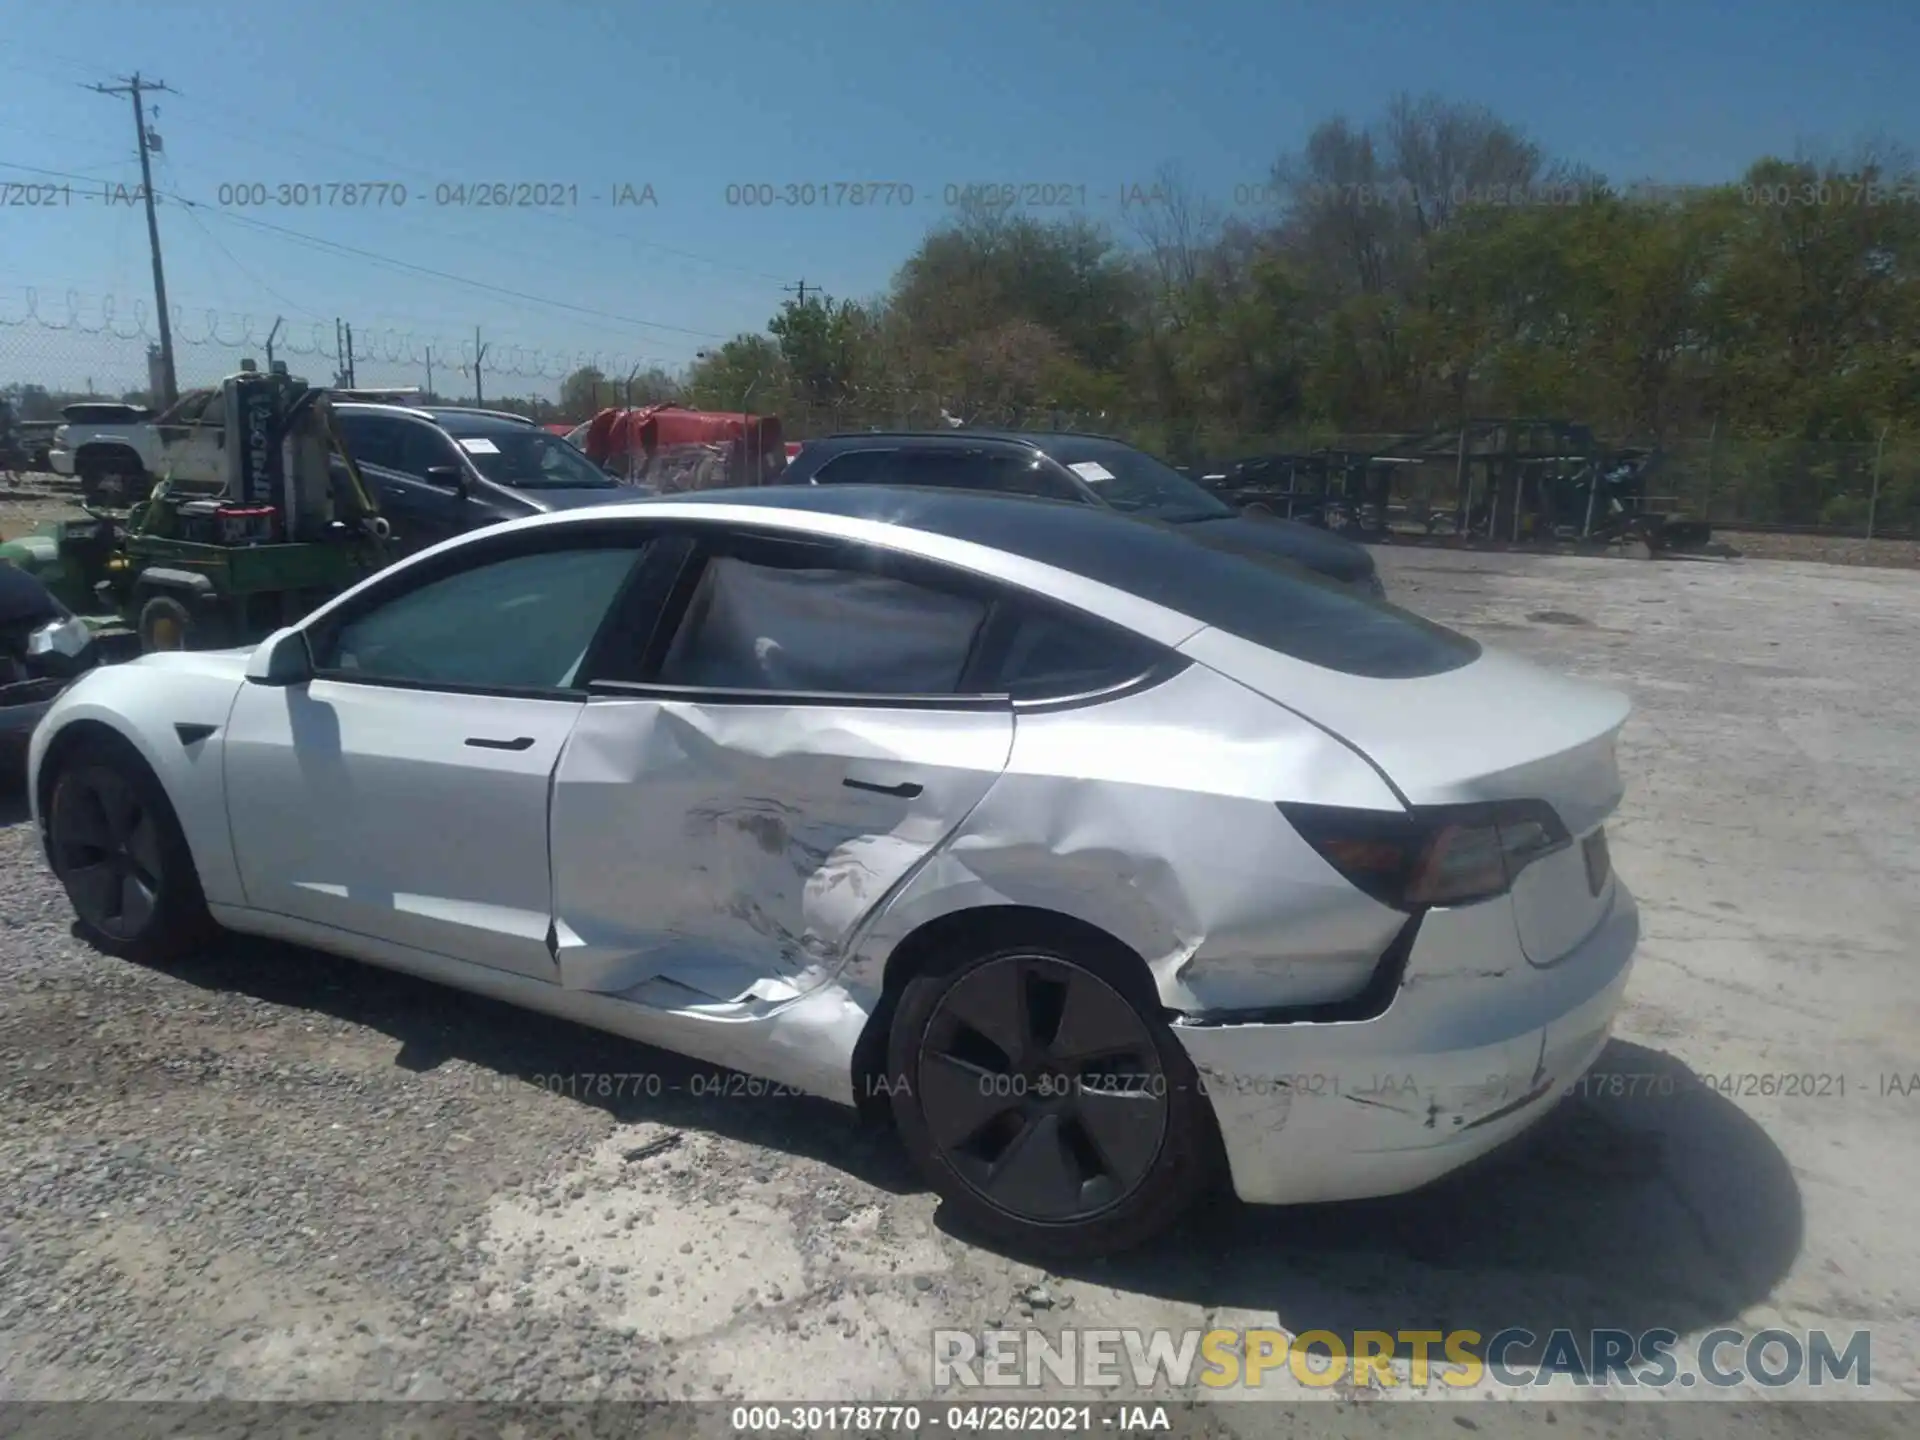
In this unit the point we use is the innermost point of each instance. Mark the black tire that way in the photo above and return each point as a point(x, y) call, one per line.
point(1114, 1145)
point(118, 851)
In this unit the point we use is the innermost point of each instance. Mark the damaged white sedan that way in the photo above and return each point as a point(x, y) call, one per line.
point(1093, 856)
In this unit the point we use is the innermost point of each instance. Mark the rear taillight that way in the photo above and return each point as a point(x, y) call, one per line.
point(1431, 855)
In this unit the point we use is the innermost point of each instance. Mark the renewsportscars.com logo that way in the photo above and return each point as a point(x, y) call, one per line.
point(1515, 1358)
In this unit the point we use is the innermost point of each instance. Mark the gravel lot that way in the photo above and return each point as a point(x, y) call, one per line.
point(268, 1174)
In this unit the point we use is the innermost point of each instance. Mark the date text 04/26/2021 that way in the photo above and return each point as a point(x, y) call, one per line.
point(990, 1419)
point(478, 194)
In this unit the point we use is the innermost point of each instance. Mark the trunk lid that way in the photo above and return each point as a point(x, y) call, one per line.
point(1499, 728)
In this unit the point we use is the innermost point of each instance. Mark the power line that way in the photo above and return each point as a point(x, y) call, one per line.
point(233, 260)
point(393, 166)
point(340, 247)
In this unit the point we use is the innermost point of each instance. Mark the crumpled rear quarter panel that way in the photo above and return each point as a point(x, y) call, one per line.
point(1153, 818)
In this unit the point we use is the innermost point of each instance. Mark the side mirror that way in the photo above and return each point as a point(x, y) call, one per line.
point(448, 477)
point(280, 660)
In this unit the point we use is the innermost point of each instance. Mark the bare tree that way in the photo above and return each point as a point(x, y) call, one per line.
point(1178, 231)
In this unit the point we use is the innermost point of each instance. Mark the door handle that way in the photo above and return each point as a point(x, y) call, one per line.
point(482, 742)
point(905, 790)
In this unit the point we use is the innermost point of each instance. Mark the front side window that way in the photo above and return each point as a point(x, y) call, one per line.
point(820, 630)
point(522, 623)
point(422, 447)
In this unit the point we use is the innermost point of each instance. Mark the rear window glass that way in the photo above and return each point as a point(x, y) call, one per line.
point(1255, 596)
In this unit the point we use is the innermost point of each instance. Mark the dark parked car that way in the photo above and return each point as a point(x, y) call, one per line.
point(42, 648)
point(441, 471)
point(1080, 469)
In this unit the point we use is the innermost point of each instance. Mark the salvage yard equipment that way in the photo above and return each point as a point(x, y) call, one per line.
point(1505, 481)
point(670, 448)
point(204, 564)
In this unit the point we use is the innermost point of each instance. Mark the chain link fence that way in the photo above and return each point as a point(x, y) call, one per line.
point(51, 357)
point(1835, 486)
point(53, 352)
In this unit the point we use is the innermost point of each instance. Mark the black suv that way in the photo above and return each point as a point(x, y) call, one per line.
point(440, 471)
point(1078, 469)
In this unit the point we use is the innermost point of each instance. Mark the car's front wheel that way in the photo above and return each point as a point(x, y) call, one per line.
point(1041, 1094)
point(118, 850)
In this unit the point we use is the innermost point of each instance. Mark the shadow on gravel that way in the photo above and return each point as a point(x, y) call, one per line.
point(1648, 1201)
point(1644, 1202)
point(632, 1083)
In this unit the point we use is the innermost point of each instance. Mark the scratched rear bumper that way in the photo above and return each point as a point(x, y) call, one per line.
point(1475, 1047)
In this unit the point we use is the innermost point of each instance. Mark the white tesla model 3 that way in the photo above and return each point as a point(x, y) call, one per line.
point(1093, 855)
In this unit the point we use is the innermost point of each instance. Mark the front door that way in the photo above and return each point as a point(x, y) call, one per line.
point(403, 793)
point(804, 743)
point(410, 816)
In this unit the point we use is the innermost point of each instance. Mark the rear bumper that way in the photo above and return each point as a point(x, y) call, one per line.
point(1476, 1047)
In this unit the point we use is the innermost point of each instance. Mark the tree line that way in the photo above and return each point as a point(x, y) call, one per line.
point(1429, 265)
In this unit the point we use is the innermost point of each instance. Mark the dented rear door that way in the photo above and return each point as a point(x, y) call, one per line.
point(718, 852)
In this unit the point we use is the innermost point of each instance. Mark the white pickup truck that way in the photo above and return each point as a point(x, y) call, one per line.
point(119, 451)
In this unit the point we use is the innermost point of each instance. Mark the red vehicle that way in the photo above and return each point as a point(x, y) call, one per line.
point(673, 448)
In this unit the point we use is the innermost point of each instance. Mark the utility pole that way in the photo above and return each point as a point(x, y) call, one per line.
point(479, 354)
point(429, 374)
point(352, 376)
point(1873, 502)
point(134, 86)
point(801, 290)
point(270, 334)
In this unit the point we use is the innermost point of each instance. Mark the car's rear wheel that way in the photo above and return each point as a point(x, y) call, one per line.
point(1041, 1094)
point(118, 850)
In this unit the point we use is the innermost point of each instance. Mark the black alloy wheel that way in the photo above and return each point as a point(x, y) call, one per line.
point(1046, 1104)
point(107, 851)
point(1042, 1088)
point(117, 848)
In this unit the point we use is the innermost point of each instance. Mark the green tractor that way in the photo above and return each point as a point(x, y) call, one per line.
point(205, 565)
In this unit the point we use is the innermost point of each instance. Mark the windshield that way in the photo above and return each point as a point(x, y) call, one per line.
point(533, 460)
point(1135, 483)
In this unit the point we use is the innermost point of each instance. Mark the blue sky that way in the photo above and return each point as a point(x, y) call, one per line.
point(692, 99)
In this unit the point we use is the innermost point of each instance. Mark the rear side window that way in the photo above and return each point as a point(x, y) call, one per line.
point(373, 439)
point(820, 630)
point(1050, 654)
point(1001, 472)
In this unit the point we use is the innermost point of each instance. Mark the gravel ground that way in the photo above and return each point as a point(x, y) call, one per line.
point(1824, 549)
point(268, 1174)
